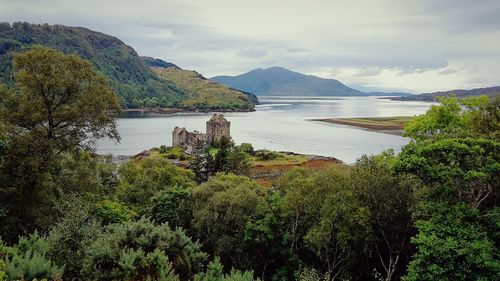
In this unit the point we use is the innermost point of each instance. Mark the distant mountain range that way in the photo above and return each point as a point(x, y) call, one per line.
point(278, 81)
point(130, 75)
point(489, 91)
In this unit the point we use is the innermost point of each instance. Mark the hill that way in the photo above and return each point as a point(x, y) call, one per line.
point(205, 94)
point(489, 91)
point(280, 81)
point(130, 75)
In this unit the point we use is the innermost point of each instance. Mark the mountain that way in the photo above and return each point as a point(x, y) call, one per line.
point(130, 75)
point(205, 94)
point(281, 81)
point(388, 94)
point(489, 91)
point(153, 62)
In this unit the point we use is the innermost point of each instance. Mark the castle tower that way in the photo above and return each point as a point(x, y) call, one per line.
point(217, 127)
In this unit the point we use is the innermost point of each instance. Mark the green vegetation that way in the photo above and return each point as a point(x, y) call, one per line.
point(202, 93)
point(489, 91)
point(129, 75)
point(135, 83)
point(428, 213)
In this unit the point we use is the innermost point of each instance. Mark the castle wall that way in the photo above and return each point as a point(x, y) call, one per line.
point(217, 127)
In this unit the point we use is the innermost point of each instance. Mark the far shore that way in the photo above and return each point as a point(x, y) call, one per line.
point(177, 110)
point(387, 125)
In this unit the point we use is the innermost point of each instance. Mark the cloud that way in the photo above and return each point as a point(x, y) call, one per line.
point(412, 45)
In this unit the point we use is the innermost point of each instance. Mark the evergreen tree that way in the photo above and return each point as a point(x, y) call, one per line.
point(199, 165)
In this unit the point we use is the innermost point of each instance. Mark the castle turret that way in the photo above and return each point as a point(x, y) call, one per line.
point(217, 127)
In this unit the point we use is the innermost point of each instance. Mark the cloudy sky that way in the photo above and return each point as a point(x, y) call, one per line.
point(415, 46)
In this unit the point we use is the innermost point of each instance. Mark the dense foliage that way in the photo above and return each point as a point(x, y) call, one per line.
point(428, 213)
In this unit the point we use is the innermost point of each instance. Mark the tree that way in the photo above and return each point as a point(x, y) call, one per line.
point(388, 199)
point(237, 162)
point(224, 146)
point(141, 180)
point(60, 104)
point(485, 119)
point(439, 119)
point(467, 117)
point(200, 163)
point(455, 170)
point(452, 245)
point(172, 206)
point(324, 221)
point(221, 208)
point(456, 216)
point(73, 233)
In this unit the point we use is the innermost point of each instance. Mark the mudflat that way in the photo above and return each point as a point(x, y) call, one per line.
point(389, 125)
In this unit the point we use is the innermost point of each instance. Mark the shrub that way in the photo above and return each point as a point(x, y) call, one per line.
point(109, 211)
point(140, 250)
point(247, 148)
point(72, 234)
point(27, 260)
point(215, 272)
point(266, 155)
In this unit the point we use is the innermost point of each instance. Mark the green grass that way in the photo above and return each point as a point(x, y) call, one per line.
point(177, 152)
point(278, 158)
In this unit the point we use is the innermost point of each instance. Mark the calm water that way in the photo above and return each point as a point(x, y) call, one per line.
point(279, 123)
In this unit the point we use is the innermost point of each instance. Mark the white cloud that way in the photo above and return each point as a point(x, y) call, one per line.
point(414, 45)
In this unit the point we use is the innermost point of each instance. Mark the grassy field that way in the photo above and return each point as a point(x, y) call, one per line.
point(266, 171)
point(203, 93)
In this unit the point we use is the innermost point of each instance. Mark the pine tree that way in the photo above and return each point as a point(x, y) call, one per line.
point(199, 165)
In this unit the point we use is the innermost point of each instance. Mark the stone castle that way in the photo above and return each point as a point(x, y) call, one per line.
point(217, 127)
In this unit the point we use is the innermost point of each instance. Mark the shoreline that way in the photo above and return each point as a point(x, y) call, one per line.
point(385, 125)
point(178, 110)
point(120, 158)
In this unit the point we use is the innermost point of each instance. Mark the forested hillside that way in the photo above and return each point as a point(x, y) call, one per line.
point(488, 91)
point(129, 74)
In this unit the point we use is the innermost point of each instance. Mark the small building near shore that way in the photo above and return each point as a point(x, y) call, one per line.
point(217, 127)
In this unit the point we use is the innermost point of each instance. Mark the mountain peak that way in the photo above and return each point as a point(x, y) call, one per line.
point(277, 80)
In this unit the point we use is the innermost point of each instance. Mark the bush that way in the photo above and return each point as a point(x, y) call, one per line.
point(68, 239)
point(247, 148)
point(140, 250)
point(266, 155)
point(27, 260)
point(109, 211)
point(215, 273)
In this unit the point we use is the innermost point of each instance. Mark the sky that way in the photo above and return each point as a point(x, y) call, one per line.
point(389, 45)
